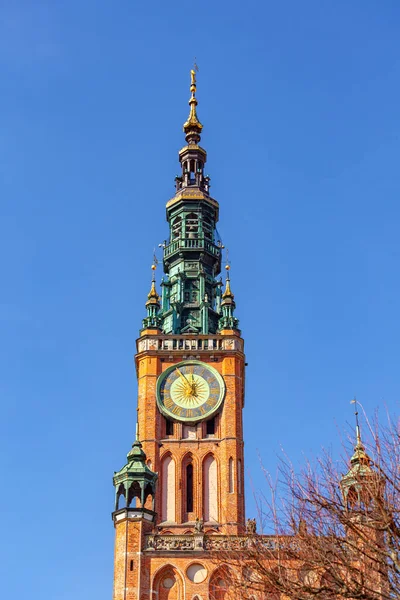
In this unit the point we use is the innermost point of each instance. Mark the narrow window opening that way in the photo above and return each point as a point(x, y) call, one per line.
point(231, 480)
point(239, 475)
point(189, 488)
point(131, 565)
point(176, 227)
point(210, 426)
point(169, 427)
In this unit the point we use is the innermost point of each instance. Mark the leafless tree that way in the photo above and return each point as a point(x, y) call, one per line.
point(335, 528)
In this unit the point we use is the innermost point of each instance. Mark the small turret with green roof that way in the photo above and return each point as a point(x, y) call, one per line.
point(136, 480)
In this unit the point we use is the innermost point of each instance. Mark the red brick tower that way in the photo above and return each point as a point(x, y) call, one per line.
point(190, 369)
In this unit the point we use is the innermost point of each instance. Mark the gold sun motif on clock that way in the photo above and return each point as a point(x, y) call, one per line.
point(189, 390)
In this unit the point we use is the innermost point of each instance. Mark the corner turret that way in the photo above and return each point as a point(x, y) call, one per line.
point(135, 480)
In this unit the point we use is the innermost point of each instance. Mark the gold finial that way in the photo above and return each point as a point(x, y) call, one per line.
point(193, 122)
point(153, 292)
point(228, 292)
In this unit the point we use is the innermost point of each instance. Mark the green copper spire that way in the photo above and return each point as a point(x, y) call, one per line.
point(153, 318)
point(191, 293)
point(228, 320)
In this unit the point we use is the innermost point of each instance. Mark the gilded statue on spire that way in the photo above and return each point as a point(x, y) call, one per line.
point(193, 125)
point(193, 80)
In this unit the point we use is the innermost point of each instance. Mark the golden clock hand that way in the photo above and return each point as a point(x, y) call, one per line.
point(194, 393)
point(181, 375)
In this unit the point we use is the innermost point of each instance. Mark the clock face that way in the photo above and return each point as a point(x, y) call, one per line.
point(190, 391)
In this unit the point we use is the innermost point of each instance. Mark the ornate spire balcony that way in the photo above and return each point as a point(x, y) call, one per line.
point(192, 244)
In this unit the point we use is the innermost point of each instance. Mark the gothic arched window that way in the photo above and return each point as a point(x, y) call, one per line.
point(168, 489)
point(210, 489)
point(189, 488)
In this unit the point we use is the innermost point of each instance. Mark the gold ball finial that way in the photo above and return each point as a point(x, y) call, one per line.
point(227, 267)
point(153, 267)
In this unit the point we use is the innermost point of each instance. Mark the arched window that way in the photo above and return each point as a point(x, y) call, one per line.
point(176, 228)
point(220, 582)
point(168, 584)
point(192, 225)
point(189, 488)
point(239, 476)
point(120, 501)
point(168, 490)
point(210, 489)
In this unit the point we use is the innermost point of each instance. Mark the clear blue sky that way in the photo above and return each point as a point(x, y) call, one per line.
point(300, 105)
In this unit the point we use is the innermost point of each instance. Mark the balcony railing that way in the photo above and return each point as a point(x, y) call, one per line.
point(192, 244)
point(190, 344)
